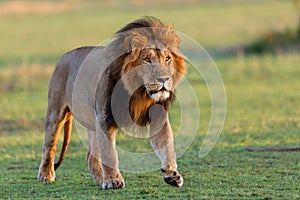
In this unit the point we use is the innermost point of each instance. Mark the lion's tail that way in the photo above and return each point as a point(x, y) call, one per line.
point(67, 136)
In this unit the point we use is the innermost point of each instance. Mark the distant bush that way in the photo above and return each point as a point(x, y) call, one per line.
point(287, 40)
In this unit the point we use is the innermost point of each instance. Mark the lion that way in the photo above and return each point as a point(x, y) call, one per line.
point(145, 64)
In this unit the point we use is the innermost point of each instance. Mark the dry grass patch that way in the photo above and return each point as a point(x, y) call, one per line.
point(36, 7)
point(24, 77)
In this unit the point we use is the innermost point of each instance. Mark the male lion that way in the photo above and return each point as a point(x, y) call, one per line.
point(116, 86)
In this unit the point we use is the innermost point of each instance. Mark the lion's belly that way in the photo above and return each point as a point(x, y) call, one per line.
point(84, 114)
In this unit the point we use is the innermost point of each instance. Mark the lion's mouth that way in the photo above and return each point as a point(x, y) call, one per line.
point(160, 95)
point(159, 91)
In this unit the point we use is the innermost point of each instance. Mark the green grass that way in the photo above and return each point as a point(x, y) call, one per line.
point(262, 106)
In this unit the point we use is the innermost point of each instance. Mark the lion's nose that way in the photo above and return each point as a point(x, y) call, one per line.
point(162, 79)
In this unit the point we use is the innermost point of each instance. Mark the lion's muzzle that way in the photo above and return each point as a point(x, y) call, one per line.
point(160, 89)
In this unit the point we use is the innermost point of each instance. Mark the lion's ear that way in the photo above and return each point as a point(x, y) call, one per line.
point(135, 41)
point(133, 44)
point(139, 41)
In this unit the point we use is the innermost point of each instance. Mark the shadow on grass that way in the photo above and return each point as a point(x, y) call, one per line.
point(9, 126)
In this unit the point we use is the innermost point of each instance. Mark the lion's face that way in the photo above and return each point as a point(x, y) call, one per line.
point(157, 65)
point(156, 72)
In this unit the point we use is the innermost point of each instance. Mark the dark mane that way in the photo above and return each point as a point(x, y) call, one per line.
point(145, 22)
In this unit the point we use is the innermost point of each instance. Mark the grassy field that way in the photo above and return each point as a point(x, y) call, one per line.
point(263, 107)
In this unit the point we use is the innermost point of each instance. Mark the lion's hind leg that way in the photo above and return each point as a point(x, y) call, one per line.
point(55, 119)
point(93, 158)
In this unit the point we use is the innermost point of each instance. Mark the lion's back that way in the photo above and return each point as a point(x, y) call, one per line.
point(71, 69)
point(66, 69)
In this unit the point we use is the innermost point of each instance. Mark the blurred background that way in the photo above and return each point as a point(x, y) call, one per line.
point(40, 31)
point(255, 44)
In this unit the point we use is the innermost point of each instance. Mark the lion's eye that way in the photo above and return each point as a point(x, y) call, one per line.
point(147, 60)
point(168, 59)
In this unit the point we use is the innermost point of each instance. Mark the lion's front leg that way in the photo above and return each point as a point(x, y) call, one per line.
point(162, 142)
point(112, 178)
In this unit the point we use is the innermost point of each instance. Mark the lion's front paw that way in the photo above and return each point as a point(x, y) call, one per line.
point(172, 177)
point(46, 175)
point(114, 183)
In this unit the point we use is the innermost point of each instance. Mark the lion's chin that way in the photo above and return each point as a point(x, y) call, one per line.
point(160, 95)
